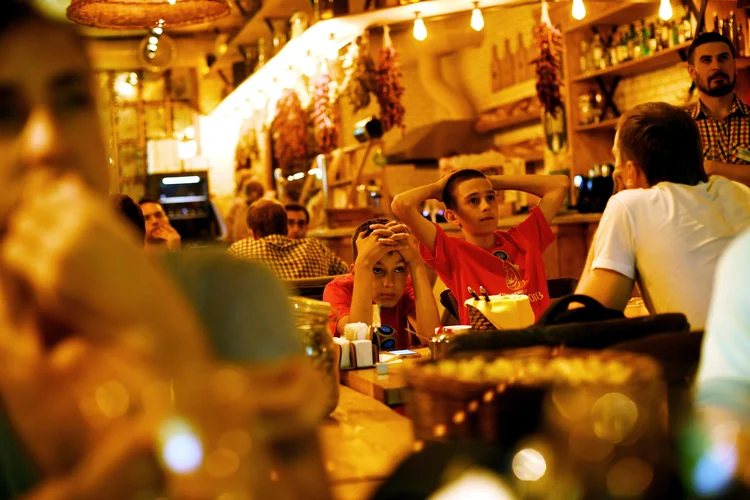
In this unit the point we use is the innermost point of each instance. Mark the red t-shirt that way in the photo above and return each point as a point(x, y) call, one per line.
point(513, 266)
point(339, 293)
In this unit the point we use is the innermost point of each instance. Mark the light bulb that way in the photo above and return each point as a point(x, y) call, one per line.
point(289, 79)
point(579, 10)
point(153, 40)
point(260, 101)
point(309, 65)
point(477, 20)
point(158, 30)
point(420, 30)
point(665, 10)
point(152, 47)
point(332, 50)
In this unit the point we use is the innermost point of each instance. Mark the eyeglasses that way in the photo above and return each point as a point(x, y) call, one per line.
point(385, 338)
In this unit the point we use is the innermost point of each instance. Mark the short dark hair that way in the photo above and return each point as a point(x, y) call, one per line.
point(664, 142)
point(148, 200)
point(456, 178)
point(129, 209)
point(254, 187)
point(296, 207)
point(708, 37)
point(267, 217)
point(365, 228)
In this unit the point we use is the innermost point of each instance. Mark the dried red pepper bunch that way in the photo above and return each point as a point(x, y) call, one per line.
point(289, 132)
point(325, 115)
point(389, 89)
point(547, 64)
point(363, 81)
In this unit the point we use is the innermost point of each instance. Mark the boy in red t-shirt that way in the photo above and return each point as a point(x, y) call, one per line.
point(503, 262)
point(385, 254)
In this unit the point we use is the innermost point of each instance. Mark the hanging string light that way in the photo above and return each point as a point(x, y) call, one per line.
point(477, 20)
point(665, 10)
point(579, 10)
point(420, 30)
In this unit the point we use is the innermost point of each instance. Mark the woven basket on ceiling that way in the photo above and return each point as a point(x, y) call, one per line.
point(145, 14)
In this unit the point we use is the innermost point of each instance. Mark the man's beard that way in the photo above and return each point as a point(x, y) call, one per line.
point(718, 90)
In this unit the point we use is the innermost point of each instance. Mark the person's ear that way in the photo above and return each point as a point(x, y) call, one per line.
point(351, 268)
point(692, 72)
point(452, 217)
point(633, 176)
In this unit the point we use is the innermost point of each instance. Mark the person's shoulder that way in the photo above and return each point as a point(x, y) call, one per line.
point(342, 281)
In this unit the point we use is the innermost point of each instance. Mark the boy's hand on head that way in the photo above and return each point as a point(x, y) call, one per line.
point(370, 249)
point(409, 250)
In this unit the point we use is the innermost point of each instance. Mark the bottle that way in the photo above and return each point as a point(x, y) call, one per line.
point(623, 54)
point(637, 41)
point(645, 36)
point(732, 28)
point(632, 42)
point(375, 326)
point(510, 62)
point(583, 58)
point(716, 23)
point(597, 52)
point(674, 30)
point(664, 34)
point(687, 27)
point(613, 47)
point(741, 49)
point(653, 41)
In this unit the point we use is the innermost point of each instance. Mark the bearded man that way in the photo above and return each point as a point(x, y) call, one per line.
point(723, 119)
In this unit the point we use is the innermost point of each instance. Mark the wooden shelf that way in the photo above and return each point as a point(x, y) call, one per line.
point(513, 121)
point(661, 59)
point(600, 126)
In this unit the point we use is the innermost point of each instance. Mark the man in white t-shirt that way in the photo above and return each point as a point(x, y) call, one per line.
point(669, 225)
point(724, 373)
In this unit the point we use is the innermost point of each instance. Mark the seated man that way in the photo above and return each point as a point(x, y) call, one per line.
point(289, 259)
point(299, 220)
point(160, 235)
point(669, 224)
point(724, 373)
point(388, 271)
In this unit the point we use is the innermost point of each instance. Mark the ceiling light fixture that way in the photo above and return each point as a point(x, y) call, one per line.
point(579, 10)
point(420, 30)
point(477, 20)
point(665, 10)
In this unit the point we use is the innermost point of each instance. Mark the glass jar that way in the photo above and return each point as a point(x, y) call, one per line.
point(311, 319)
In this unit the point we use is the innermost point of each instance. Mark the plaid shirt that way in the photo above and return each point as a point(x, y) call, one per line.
point(291, 259)
point(722, 138)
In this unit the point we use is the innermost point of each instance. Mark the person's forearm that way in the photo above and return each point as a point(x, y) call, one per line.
point(361, 308)
point(538, 185)
point(428, 318)
point(737, 173)
point(408, 203)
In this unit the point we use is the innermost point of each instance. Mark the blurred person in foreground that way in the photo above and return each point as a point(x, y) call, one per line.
point(289, 259)
point(160, 235)
point(95, 335)
point(669, 223)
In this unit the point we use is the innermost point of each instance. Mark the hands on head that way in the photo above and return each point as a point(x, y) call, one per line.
point(384, 238)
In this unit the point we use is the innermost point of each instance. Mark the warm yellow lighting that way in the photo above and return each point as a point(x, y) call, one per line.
point(420, 30)
point(158, 30)
point(152, 47)
point(187, 149)
point(309, 65)
point(332, 48)
point(477, 20)
point(260, 101)
point(289, 79)
point(172, 2)
point(153, 40)
point(579, 10)
point(529, 465)
point(665, 10)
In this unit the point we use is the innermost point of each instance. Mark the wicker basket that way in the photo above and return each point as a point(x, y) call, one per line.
point(145, 14)
point(445, 408)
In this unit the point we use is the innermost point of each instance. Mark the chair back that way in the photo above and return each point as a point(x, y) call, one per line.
point(312, 288)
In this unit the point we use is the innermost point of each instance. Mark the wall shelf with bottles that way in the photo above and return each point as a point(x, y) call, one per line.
point(605, 125)
point(662, 59)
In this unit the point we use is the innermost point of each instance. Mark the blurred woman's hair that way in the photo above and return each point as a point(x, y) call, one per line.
point(129, 209)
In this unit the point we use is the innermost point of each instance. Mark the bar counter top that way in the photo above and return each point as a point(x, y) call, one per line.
point(504, 222)
point(362, 441)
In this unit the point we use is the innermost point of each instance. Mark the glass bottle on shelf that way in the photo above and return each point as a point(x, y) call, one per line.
point(636, 33)
point(632, 42)
point(716, 23)
point(645, 36)
point(622, 48)
point(664, 34)
point(741, 49)
point(653, 41)
point(583, 58)
point(674, 39)
point(732, 29)
point(687, 27)
point(597, 52)
point(612, 49)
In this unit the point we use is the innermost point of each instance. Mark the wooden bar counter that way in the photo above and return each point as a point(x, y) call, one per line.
point(565, 258)
point(363, 441)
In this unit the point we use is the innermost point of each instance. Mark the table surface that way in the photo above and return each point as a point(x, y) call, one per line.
point(388, 389)
point(363, 441)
